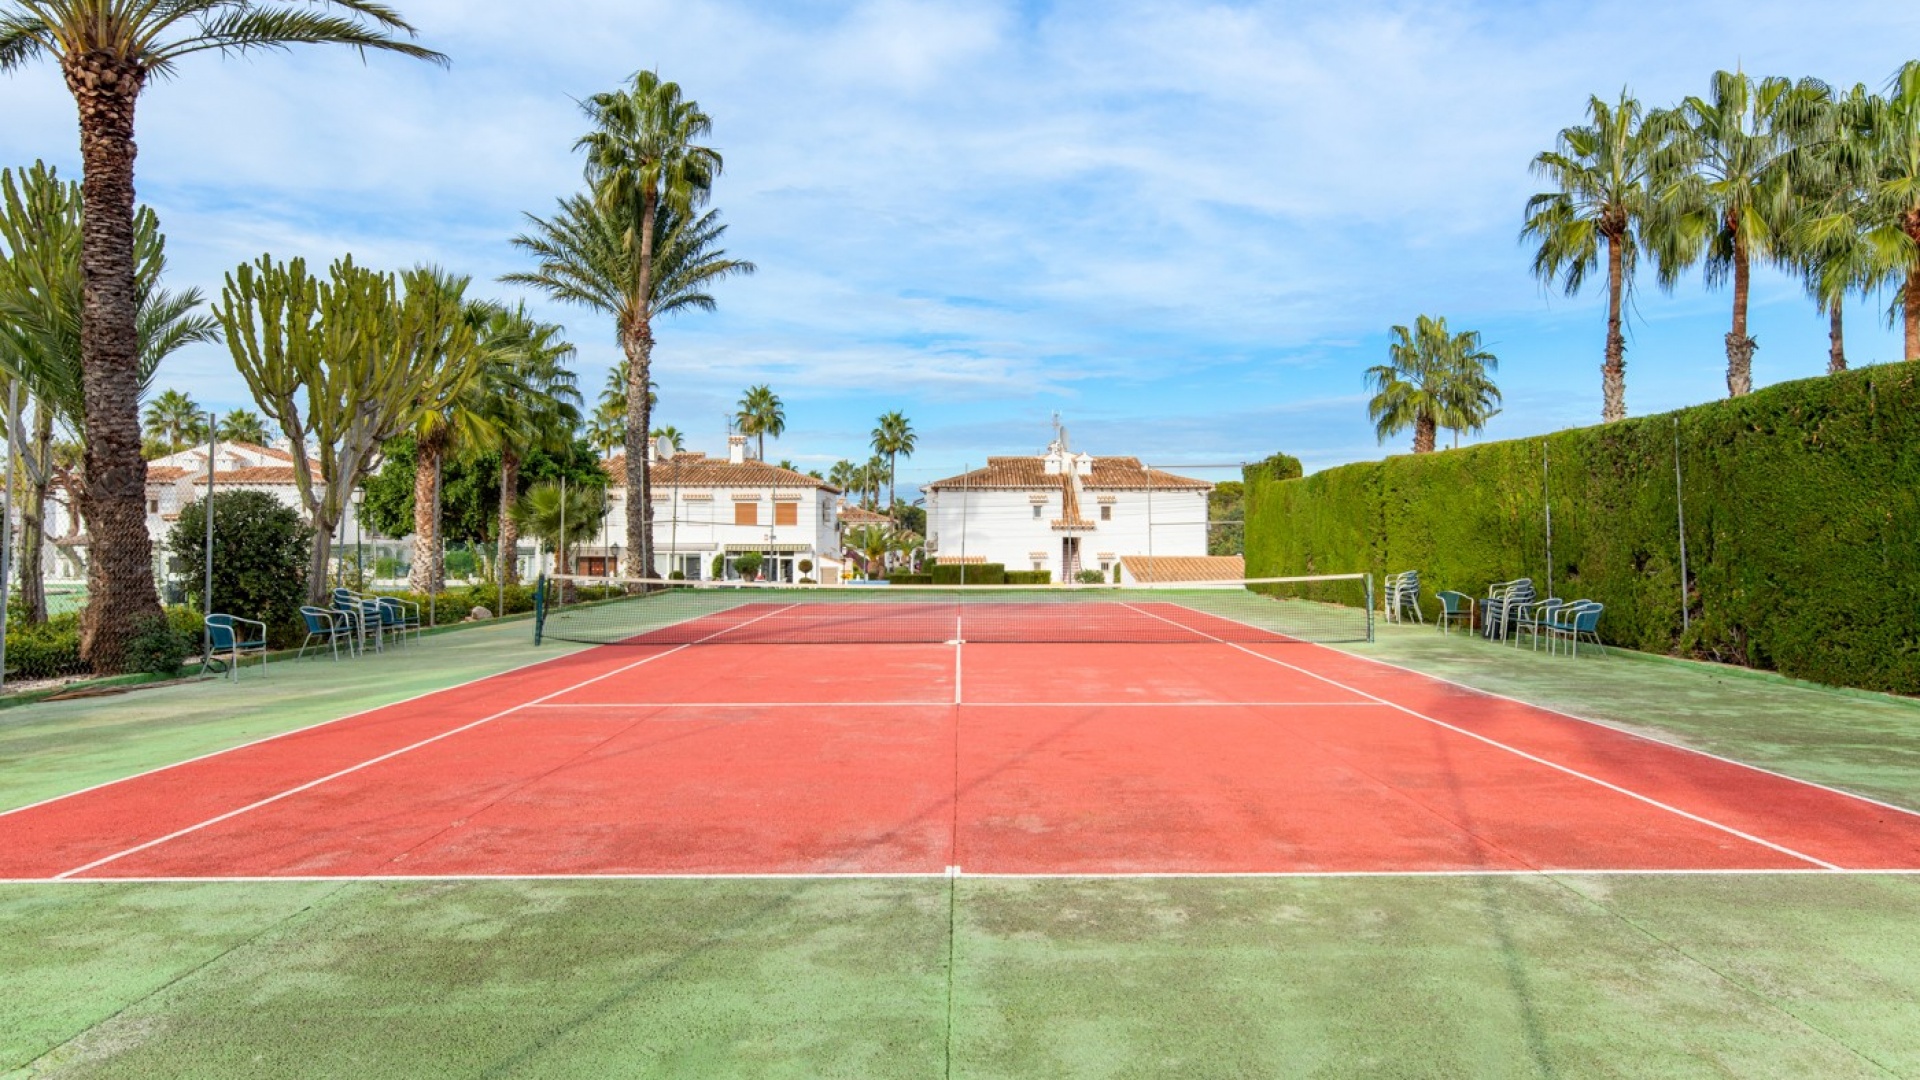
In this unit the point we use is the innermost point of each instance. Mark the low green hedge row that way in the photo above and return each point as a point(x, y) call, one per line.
point(969, 574)
point(1802, 510)
point(1029, 577)
point(51, 650)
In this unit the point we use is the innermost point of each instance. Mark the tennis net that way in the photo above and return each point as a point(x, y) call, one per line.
point(1310, 609)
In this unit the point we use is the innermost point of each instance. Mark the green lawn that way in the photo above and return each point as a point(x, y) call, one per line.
point(1618, 975)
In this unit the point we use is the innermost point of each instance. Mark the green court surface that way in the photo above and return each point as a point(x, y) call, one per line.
point(1523, 976)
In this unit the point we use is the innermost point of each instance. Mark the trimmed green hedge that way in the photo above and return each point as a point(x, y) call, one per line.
point(1029, 577)
point(1802, 509)
point(901, 577)
point(976, 574)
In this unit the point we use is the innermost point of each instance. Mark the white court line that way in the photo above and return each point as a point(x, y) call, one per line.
point(969, 704)
point(1649, 800)
point(299, 730)
point(1642, 736)
point(309, 785)
point(935, 875)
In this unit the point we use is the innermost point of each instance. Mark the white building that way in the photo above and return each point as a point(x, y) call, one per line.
point(1065, 512)
point(706, 508)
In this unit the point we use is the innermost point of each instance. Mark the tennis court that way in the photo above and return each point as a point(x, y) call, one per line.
point(922, 737)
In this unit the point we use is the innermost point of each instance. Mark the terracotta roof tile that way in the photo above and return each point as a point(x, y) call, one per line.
point(164, 474)
point(1030, 474)
point(698, 470)
point(860, 515)
point(1152, 568)
point(258, 474)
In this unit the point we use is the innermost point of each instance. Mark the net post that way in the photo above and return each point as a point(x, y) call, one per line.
point(1369, 608)
point(539, 608)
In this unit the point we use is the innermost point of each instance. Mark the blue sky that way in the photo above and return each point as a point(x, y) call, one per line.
point(1185, 227)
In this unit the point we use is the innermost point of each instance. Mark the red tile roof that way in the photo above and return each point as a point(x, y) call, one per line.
point(698, 470)
point(860, 515)
point(1151, 568)
point(1030, 474)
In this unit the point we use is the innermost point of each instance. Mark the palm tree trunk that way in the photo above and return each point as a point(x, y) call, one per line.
point(425, 577)
point(509, 529)
point(121, 593)
point(33, 519)
point(893, 494)
point(763, 444)
point(1836, 338)
point(1911, 313)
point(1424, 430)
point(1740, 347)
point(1613, 372)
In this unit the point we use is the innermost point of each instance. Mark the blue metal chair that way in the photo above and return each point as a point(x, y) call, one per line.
point(327, 625)
point(1535, 618)
point(1504, 603)
point(400, 616)
point(1585, 623)
point(1454, 607)
point(229, 638)
point(1403, 596)
point(364, 613)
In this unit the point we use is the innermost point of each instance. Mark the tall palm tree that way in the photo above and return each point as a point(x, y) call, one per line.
point(1433, 379)
point(762, 413)
point(876, 474)
point(528, 400)
point(243, 426)
point(894, 437)
point(644, 157)
point(42, 295)
point(108, 50)
point(586, 256)
point(463, 424)
point(842, 475)
point(1828, 243)
point(1728, 180)
point(1887, 143)
point(173, 420)
point(1603, 197)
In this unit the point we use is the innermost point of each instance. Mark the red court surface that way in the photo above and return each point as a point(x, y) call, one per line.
point(995, 758)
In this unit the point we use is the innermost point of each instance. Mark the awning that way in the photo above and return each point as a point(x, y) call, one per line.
point(770, 549)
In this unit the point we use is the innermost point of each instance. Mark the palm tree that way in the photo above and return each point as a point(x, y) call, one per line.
point(173, 421)
point(462, 424)
point(842, 475)
point(1603, 197)
point(108, 50)
point(585, 257)
point(894, 437)
point(528, 400)
point(242, 426)
point(761, 413)
point(42, 295)
point(548, 504)
point(1728, 181)
point(876, 474)
point(1887, 143)
point(1433, 379)
point(1827, 244)
point(644, 165)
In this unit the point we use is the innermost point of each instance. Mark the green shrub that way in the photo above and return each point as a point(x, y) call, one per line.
point(49, 650)
point(748, 563)
point(1802, 504)
point(260, 549)
point(1091, 577)
point(719, 567)
point(970, 574)
point(901, 577)
point(1029, 577)
point(159, 646)
point(805, 566)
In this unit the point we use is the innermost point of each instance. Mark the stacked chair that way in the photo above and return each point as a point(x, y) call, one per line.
point(362, 620)
point(1503, 605)
point(1403, 596)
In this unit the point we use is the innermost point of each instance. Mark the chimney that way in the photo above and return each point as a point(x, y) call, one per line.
point(653, 450)
point(737, 449)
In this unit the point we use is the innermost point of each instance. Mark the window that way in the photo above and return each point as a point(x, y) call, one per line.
point(1037, 509)
point(1039, 565)
point(746, 513)
point(153, 506)
point(786, 513)
point(1106, 513)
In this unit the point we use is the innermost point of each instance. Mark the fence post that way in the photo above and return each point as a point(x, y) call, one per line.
point(206, 598)
point(1369, 607)
point(1680, 512)
point(539, 607)
point(6, 519)
point(1546, 499)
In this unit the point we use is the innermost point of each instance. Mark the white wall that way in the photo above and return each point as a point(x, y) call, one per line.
point(1000, 526)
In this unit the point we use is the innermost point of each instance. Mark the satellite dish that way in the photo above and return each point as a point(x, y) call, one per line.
point(663, 449)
